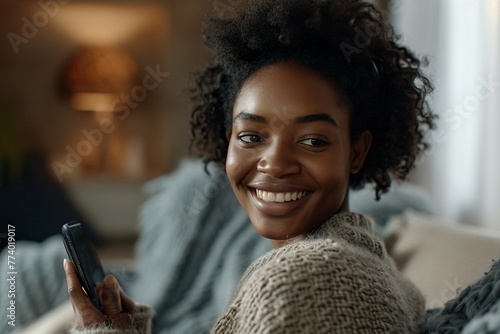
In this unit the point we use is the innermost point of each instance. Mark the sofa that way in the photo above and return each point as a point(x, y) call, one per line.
point(196, 241)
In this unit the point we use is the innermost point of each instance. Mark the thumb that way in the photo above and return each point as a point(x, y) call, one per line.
point(110, 296)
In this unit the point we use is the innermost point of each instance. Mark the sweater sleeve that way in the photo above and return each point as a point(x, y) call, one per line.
point(141, 320)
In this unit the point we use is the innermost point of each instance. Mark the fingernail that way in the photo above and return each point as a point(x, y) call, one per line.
point(65, 264)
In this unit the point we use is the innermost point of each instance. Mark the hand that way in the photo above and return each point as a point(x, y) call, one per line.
point(118, 308)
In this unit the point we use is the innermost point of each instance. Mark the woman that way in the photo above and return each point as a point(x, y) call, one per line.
point(303, 100)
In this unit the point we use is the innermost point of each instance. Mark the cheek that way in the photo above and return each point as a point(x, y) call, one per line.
point(237, 163)
point(331, 172)
point(336, 181)
point(232, 167)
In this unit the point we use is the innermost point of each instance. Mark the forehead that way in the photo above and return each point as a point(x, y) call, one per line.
point(288, 85)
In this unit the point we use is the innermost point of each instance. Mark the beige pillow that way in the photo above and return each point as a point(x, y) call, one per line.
point(440, 257)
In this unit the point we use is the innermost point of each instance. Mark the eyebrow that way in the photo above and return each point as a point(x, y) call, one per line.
point(246, 116)
point(321, 117)
point(316, 118)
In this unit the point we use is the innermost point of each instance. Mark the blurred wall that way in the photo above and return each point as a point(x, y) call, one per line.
point(29, 85)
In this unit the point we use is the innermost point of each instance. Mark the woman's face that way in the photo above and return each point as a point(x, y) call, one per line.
point(290, 154)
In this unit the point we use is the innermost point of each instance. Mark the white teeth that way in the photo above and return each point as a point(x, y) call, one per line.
point(279, 197)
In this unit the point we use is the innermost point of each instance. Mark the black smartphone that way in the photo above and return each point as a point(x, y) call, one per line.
point(83, 255)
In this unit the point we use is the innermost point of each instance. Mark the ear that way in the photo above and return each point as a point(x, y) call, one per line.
point(359, 150)
point(228, 136)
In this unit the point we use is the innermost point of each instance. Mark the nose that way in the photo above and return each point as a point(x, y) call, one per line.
point(279, 161)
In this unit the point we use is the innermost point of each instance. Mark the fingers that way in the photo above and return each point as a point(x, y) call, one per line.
point(117, 306)
point(127, 303)
point(75, 292)
point(111, 300)
point(85, 312)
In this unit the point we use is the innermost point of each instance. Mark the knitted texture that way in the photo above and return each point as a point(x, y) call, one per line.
point(488, 323)
point(338, 279)
point(475, 310)
point(141, 324)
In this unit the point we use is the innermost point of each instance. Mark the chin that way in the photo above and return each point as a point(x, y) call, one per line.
point(277, 228)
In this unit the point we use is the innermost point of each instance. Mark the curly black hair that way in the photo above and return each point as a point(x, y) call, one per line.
point(349, 43)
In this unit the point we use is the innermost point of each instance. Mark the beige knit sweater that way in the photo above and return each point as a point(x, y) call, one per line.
point(338, 280)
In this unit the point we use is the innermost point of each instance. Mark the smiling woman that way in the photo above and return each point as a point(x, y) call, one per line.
point(296, 121)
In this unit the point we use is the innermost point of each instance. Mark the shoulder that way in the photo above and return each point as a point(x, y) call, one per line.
point(322, 284)
point(316, 260)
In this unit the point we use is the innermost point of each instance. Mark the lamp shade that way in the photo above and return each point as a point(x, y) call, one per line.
point(95, 77)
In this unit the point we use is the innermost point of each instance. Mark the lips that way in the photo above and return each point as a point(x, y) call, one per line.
point(279, 197)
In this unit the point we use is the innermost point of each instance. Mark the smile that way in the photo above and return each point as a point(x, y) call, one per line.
point(280, 197)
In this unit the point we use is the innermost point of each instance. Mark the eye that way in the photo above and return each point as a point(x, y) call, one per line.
point(249, 139)
point(314, 142)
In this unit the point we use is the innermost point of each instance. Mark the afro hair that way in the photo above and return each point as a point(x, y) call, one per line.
point(348, 43)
